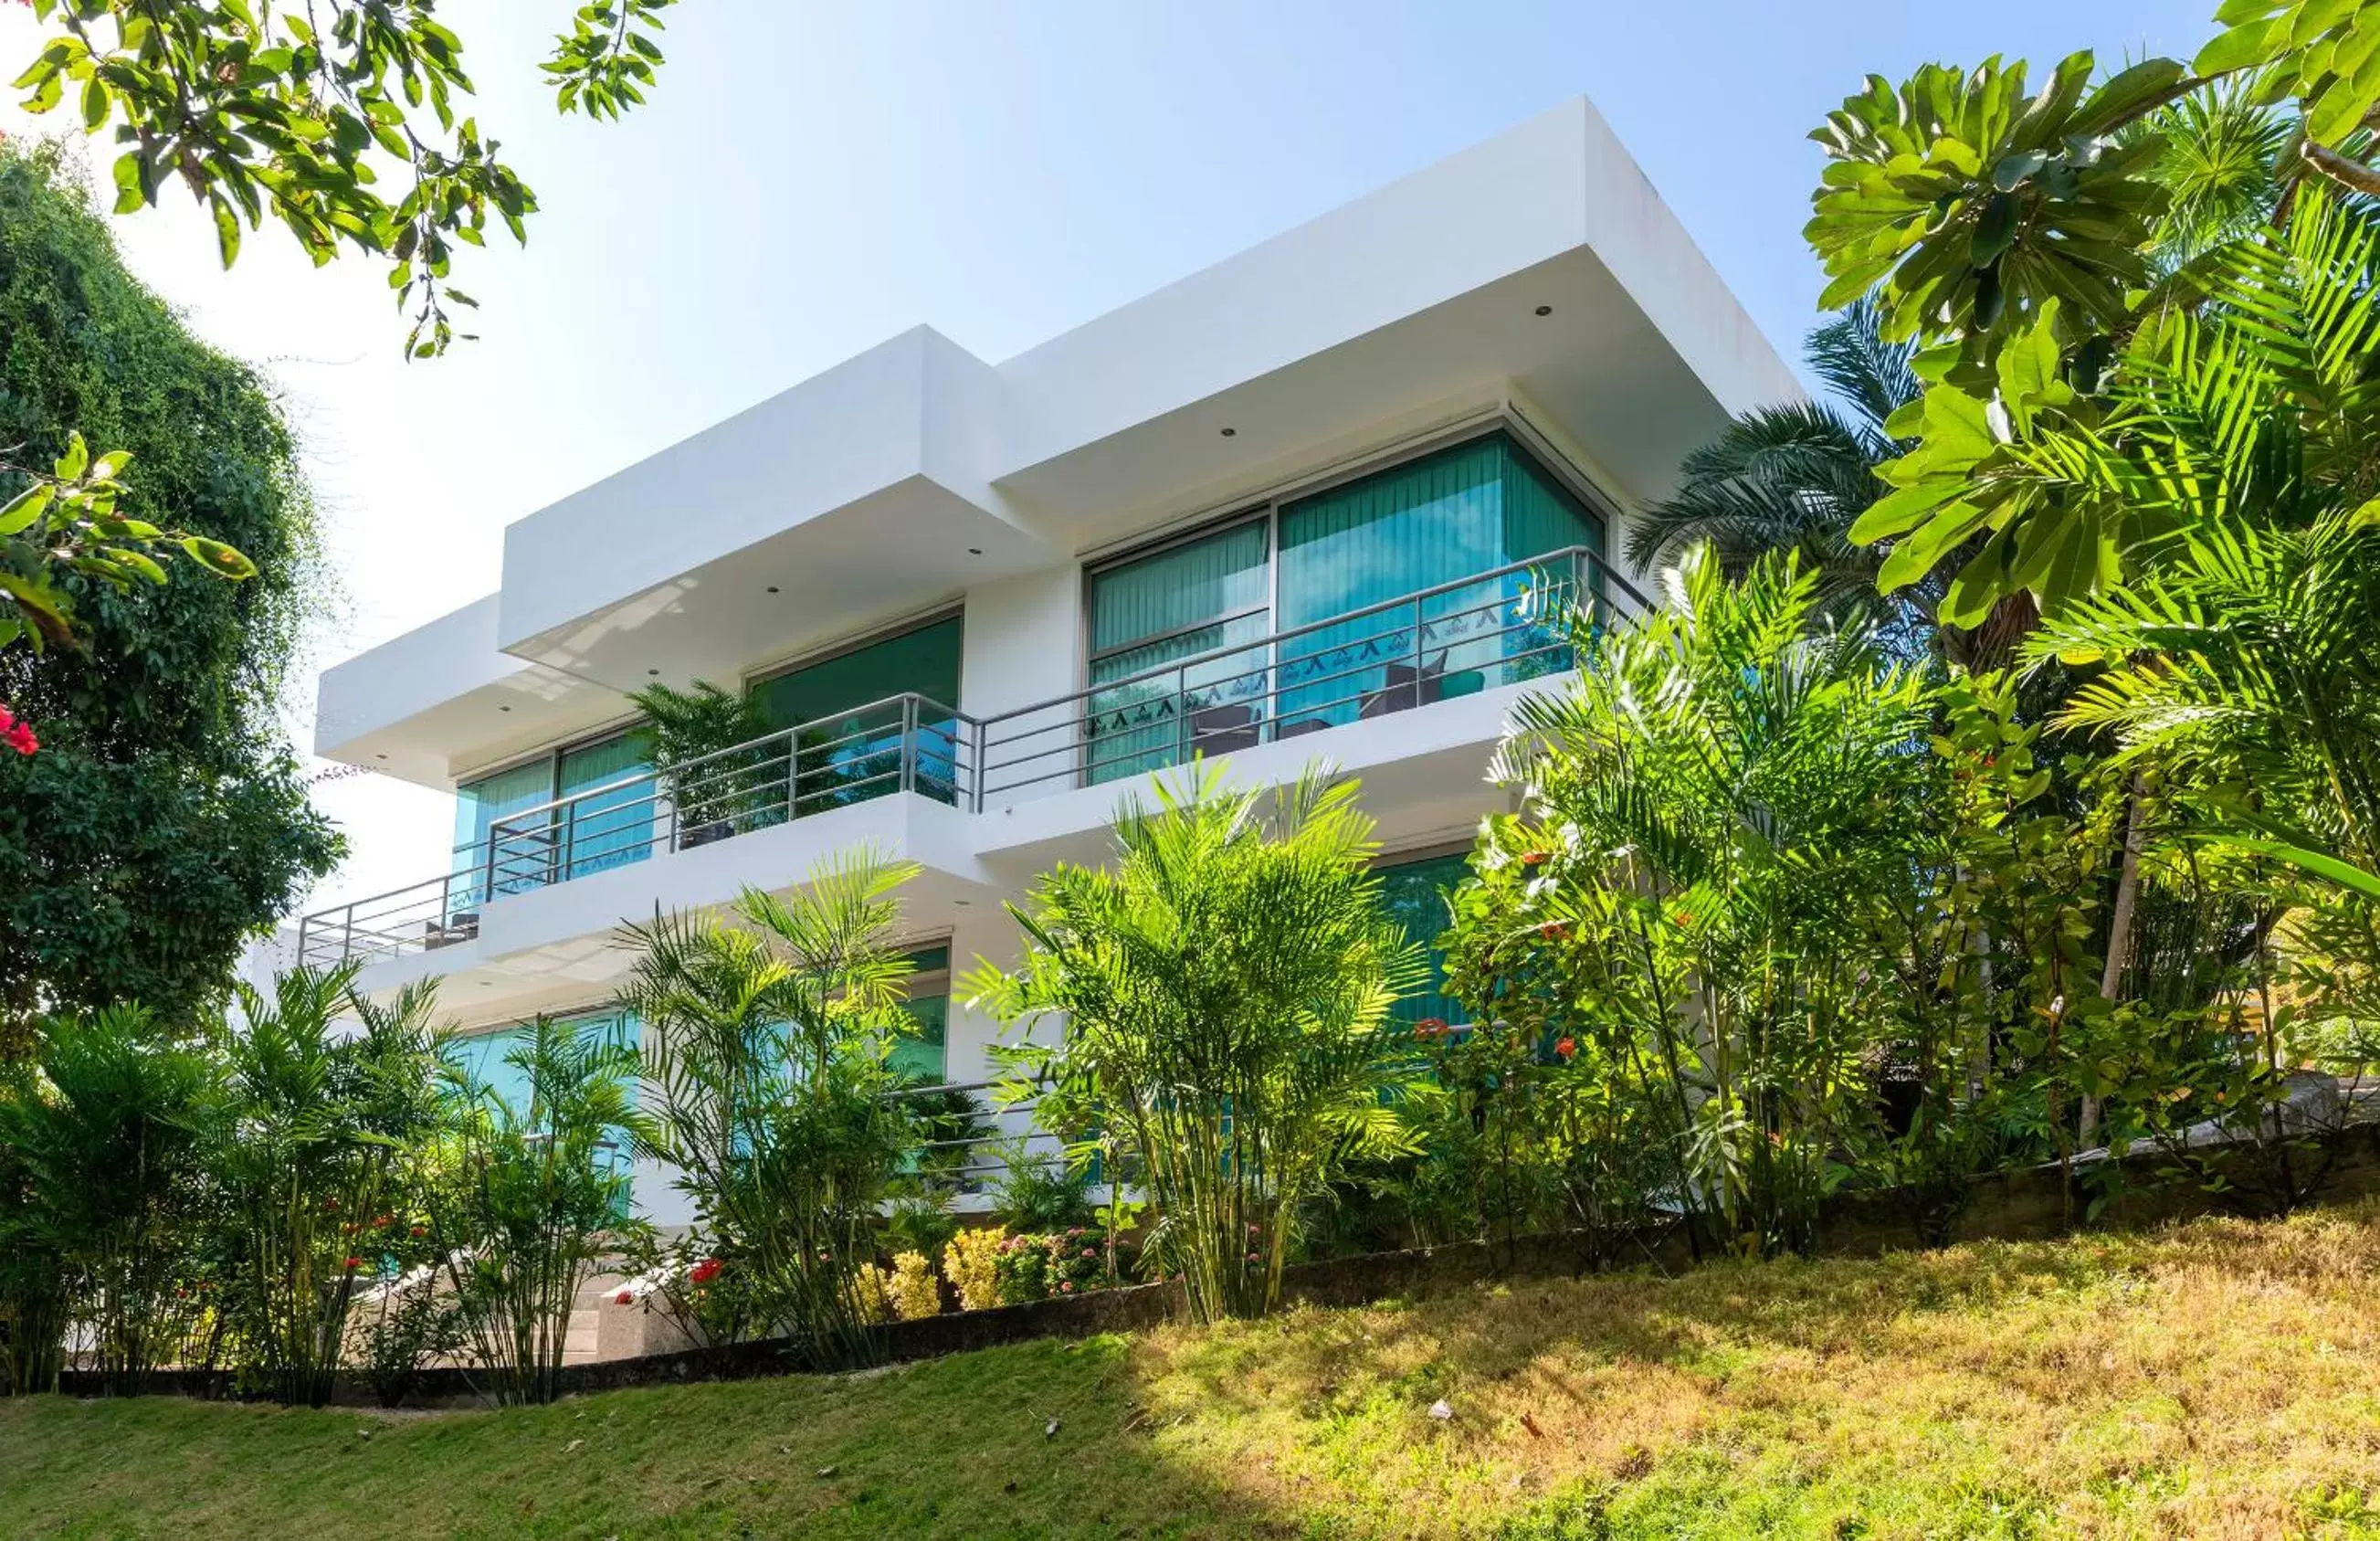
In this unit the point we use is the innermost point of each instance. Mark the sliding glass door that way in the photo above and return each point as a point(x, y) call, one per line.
point(1363, 550)
point(1181, 657)
point(1198, 601)
point(849, 748)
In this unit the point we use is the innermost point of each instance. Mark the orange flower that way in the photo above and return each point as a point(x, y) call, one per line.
point(1554, 930)
point(1533, 858)
point(1566, 1046)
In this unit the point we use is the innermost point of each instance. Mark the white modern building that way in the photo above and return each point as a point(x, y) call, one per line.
point(1318, 501)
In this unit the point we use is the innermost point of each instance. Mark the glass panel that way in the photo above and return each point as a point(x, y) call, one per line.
point(925, 1058)
point(483, 1057)
point(1184, 603)
point(478, 805)
point(1416, 895)
point(1473, 507)
point(848, 755)
point(610, 829)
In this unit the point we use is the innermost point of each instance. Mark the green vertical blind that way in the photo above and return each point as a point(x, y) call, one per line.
point(1430, 523)
point(606, 831)
point(1415, 896)
point(1189, 600)
point(1424, 525)
point(611, 827)
point(850, 752)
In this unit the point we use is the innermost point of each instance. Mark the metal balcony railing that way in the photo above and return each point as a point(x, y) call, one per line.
point(1503, 626)
point(905, 743)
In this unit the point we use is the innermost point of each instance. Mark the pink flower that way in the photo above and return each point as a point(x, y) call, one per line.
point(1090, 1252)
point(1066, 1286)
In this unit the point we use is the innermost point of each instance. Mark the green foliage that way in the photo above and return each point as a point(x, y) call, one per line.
point(162, 819)
point(1226, 986)
point(770, 1095)
point(1974, 206)
point(535, 1201)
point(2027, 246)
point(108, 1143)
point(295, 113)
point(66, 521)
point(322, 1130)
point(1734, 825)
point(695, 735)
point(607, 56)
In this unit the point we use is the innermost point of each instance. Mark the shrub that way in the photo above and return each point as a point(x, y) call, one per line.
point(914, 1290)
point(1226, 984)
point(971, 1263)
point(765, 1064)
point(871, 1294)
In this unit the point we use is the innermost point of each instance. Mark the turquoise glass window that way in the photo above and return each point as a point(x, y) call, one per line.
point(608, 825)
point(1424, 524)
point(1202, 597)
point(478, 806)
point(850, 747)
point(1415, 895)
point(484, 1058)
point(925, 1058)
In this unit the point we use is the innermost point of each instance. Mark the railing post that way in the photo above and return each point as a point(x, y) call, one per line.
point(301, 939)
point(488, 884)
point(908, 781)
point(348, 937)
point(1417, 651)
point(569, 845)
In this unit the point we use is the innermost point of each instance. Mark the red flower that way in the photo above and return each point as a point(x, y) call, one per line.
point(1431, 1028)
point(625, 1297)
point(704, 1271)
point(1533, 858)
point(331, 1205)
point(18, 734)
point(420, 1230)
point(1566, 1046)
point(352, 1264)
point(380, 1220)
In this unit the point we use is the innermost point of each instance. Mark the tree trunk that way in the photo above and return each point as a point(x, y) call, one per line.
point(2120, 926)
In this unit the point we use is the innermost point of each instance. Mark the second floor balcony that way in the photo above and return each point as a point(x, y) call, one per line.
point(1504, 627)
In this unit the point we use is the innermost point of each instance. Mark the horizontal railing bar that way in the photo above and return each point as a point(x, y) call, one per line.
point(1568, 553)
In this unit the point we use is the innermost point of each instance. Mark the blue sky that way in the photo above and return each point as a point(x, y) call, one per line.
point(812, 177)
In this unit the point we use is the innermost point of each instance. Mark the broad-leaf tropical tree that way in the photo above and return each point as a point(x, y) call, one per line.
point(1990, 221)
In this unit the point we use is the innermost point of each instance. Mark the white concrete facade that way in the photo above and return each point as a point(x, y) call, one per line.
point(1535, 282)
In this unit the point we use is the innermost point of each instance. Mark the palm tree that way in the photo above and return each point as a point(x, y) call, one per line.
point(1795, 476)
point(765, 1060)
point(1226, 984)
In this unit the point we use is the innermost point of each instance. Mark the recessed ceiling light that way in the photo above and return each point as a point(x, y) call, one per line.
point(773, 589)
point(652, 671)
point(380, 756)
point(504, 708)
point(1230, 432)
point(1545, 310)
point(975, 551)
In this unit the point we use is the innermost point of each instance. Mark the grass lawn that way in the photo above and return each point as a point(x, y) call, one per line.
point(2221, 1379)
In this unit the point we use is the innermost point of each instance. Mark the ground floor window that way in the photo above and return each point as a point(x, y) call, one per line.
point(1415, 893)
